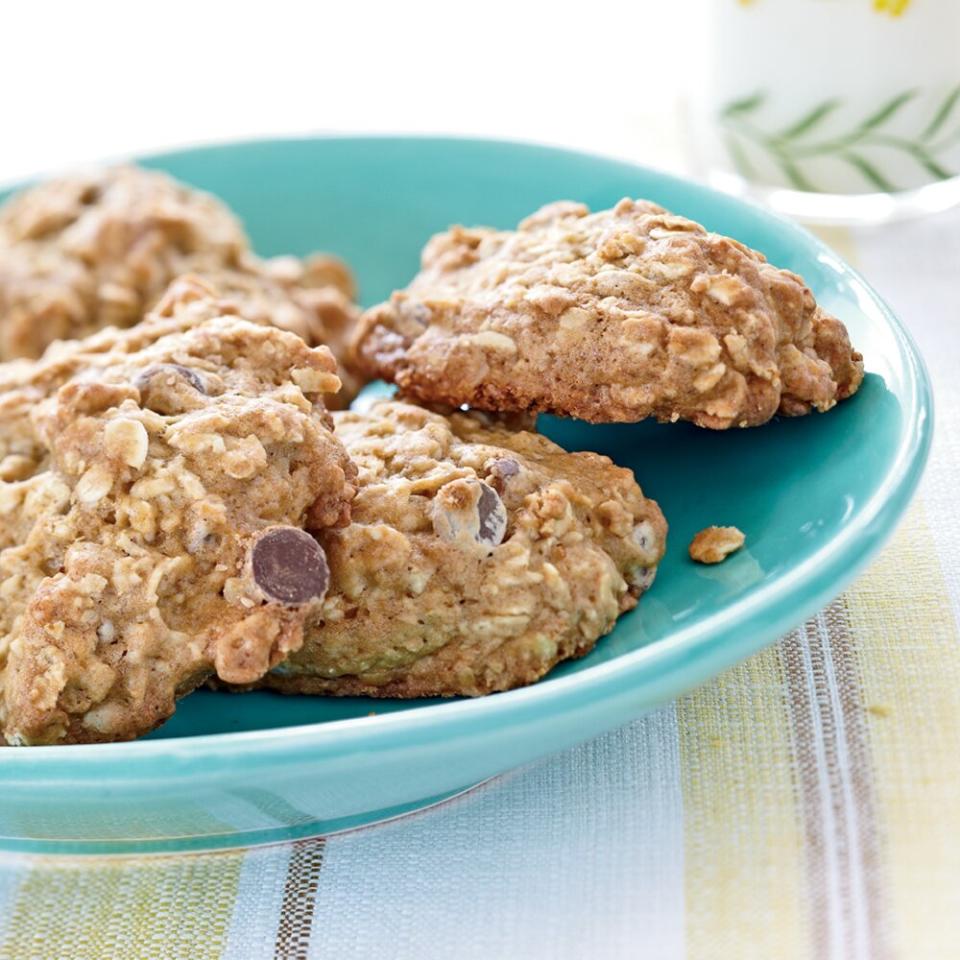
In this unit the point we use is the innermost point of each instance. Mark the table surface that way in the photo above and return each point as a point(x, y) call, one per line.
point(804, 804)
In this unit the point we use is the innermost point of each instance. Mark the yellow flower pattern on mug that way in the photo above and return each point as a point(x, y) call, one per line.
point(895, 8)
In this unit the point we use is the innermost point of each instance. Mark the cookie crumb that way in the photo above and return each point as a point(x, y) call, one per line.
point(715, 544)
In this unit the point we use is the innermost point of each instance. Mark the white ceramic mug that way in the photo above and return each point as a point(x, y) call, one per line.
point(834, 109)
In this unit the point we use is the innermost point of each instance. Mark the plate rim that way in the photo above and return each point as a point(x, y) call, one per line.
point(838, 560)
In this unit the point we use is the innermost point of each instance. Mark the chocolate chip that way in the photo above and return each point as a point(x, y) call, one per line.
point(499, 473)
point(469, 509)
point(641, 579)
point(289, 566)
point(492, 515)
point(171, 370)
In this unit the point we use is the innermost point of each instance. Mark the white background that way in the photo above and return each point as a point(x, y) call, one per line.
point(82, 81)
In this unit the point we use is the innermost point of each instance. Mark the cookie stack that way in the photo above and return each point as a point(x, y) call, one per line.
point(179, 505)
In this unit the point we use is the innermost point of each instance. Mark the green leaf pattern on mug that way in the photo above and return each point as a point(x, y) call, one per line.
point(792, 147)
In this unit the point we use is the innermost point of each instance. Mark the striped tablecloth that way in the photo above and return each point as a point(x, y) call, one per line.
point(805, 804)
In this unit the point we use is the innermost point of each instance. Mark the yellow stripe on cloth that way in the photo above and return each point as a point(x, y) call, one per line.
point(166, 908)
point(910, 680)
point(750, 792)
point(743, 841)
point(152, 820)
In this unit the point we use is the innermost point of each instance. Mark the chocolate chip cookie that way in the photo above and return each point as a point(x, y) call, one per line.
point(612, 316)
point(97, 250)
point(478, 558)
point(312, 297)
point(163, 537)
point(187, 303)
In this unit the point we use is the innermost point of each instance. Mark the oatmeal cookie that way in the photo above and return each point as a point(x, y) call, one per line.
point(311, 297)
point(477, 559)
point(165, 539)
point(93, 250)
point(97, 250)
point(612, 316)
point(188, 302)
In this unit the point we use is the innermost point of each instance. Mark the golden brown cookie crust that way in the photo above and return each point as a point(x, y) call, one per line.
point(478, 557)
point(187, 303)
point(312, 298)
point(612, 316)
point(98, 249)
point(162, 541)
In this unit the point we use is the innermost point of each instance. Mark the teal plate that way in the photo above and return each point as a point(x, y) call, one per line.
point(816, 496)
